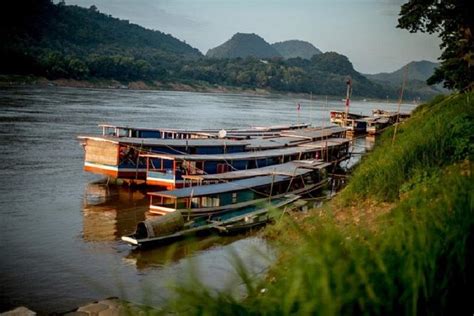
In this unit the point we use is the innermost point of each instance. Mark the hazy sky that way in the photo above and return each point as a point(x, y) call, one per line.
point(363, 30)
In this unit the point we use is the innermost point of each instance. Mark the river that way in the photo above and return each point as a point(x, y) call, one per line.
point(60, 226)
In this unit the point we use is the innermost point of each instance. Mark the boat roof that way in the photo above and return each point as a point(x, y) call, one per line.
point(292, 168)
point(212, 189)
point(380, 119)
point(246, 155)
point(330, 142)
point(271, 128)
point(272, 142)
point(150, 142)
point(314, 133)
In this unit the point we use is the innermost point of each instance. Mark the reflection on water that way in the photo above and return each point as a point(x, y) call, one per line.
point(360, 144)
point(111, 211)
point(370, 142)
point(159, 256)
point(211, 262)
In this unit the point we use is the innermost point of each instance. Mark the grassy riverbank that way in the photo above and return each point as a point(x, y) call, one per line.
point(398, 239)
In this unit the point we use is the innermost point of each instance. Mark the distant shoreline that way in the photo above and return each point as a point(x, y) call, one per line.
point(35, 81)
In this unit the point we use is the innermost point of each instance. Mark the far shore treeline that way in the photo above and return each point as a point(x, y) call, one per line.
point(58, 41)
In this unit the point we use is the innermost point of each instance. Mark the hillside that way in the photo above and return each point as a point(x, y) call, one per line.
point(58, 41)
point(416, 86)
point(296, 48)
point(61, 40)
point(324, 74)
point(243, 45)
point(417, 70)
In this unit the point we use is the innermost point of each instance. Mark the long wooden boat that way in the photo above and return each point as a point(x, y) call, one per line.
point(291, 168)
point(354, 123)
point(391, 115)
point(375, 125)
point(221, 197)
point(338, 117)
point(174, 133)
point(172, 227)
point(119, 157)
point(171, 171)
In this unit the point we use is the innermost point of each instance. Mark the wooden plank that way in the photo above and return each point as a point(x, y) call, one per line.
point(101, 152)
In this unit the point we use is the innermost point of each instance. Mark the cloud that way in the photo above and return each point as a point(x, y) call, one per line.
point(147, 13)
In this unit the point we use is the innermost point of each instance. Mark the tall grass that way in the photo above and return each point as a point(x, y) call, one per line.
point(438, 134)
point(415, 258)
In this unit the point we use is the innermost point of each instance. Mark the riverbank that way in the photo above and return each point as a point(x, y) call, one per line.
point(399, 239)
point(201, 87)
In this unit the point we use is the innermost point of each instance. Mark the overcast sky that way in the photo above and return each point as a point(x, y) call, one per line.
point(363, 30)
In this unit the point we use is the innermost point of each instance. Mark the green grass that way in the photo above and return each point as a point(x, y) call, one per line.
point(349, 257)
point(438, 134)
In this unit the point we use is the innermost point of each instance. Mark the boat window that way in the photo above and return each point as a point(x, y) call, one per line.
point(209, 201)
point(223, 167)
point(163, 201)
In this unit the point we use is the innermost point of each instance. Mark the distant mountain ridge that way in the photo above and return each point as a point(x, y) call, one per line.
point(418, 73)
point(59, 41)
point(417, 70)
point(296, 48)
point(244, 45)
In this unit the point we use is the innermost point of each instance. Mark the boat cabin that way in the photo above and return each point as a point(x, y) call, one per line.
point(338, 117)
point(215, 198)
point(377, 124)
point(120, 157)
point(291, 169)
point(170, 171)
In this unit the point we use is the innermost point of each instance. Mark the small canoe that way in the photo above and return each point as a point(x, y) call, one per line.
point(169, 228)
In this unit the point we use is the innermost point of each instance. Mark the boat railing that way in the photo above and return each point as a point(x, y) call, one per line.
point(164, 174)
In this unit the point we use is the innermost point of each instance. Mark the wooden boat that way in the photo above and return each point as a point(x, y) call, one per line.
point(174, 133)
point(376, 124)
point(119, 157)
point(338, 117)
point(172, 227)
point(171, 171)
point(354, 123)
point(391, 115)
point(215, 198)
point(291, 168)
point(382, 119)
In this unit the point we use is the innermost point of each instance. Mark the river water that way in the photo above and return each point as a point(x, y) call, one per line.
point(60, 227)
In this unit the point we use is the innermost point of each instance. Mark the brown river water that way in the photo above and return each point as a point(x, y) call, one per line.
point(60, 227)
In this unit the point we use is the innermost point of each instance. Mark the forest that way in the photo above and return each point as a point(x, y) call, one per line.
point(63, 41)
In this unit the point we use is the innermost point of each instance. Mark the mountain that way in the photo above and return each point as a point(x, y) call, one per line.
point(416, 86)
point(244, 45)
point(296, 48)
point(417, 70)
point(58, 40)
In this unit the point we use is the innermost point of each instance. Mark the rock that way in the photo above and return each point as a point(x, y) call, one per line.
point(19, 311)
point(93, 308)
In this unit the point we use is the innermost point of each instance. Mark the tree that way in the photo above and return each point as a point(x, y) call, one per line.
point(452, 19)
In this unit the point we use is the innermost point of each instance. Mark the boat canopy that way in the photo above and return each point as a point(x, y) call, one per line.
point(330, 142)
point(313, 133)
point(151, 142)
point(292, 168)
point(220, 187)
point(248, 155)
